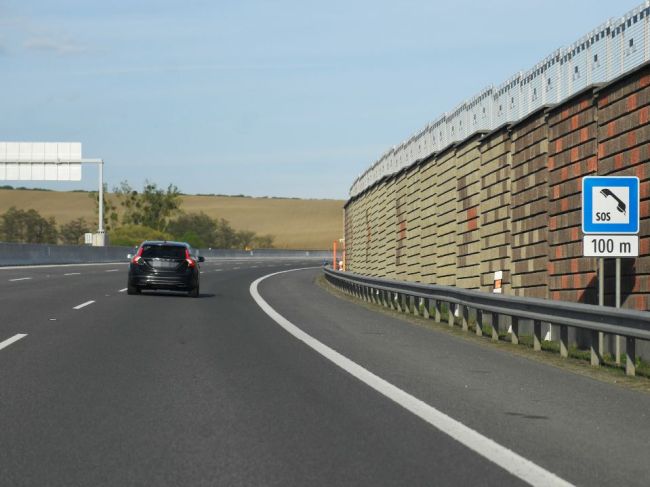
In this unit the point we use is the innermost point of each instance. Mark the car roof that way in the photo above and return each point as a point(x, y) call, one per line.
point(165, 242)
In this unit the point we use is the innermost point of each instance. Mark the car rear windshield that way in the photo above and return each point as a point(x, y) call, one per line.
point(163, 252)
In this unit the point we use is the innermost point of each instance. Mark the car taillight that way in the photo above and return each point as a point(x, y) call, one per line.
point(190, 262)
point(137, 258)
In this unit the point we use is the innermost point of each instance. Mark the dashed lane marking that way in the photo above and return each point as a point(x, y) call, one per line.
point(11, 340)
point(122, 290)
point(20, 279)
point(83, 305)
point(72, 274)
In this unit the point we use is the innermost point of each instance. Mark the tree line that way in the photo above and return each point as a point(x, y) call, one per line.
point(151, 214)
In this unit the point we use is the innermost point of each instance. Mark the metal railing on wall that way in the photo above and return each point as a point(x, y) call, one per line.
point(607, 52)
point(429, 301)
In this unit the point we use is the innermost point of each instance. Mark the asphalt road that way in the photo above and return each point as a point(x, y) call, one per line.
point(161, 389)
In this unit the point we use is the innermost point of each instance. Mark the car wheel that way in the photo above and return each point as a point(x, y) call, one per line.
point(194, 292)
point(131, 289)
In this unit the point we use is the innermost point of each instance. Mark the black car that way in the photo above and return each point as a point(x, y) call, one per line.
point(164, 265)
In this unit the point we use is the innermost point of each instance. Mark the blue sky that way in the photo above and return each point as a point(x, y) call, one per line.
point(277, 98)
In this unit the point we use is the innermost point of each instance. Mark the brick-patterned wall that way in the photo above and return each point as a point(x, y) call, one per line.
point(401, 227)
point(529, 206)
point(389, 218)
point(495, 227)
point(428, 222)
point(624, 150)
point(572, 155)
point(510, 201)
point(468, 202)
point(371, 224)
point(413, 236)
point(446, 188)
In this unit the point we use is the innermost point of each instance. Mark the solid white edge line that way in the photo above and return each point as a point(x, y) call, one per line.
point(505, 458)
point(20, 279)
point(11, 340)
point(83, 305)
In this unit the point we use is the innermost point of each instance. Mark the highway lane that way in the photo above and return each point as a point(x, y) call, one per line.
point(586, 431)
point(161, 389)
point(166, 390)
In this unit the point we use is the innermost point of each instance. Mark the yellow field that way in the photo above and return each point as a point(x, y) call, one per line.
point(296, 224)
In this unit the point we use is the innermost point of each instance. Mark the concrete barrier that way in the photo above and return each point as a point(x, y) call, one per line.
point(12, 254)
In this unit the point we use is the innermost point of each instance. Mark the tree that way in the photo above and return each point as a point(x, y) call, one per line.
point(29, 226)
point(225, 235)
point(263, 241)
point(245, 239)
point(73, 232)
point(199, 225)
point(131, 235)
point(152, 208)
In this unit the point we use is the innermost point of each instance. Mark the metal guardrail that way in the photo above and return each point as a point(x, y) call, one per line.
point(426, 299)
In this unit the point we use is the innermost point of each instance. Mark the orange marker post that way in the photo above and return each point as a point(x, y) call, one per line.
point(334, 262)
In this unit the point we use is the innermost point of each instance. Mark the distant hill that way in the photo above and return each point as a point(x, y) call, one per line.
point(295, 223)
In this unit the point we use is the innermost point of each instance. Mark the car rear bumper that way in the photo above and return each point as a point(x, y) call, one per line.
point(154, 281)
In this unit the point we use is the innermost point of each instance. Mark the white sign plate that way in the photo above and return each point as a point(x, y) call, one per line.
point(40, 161)
point(610, 245)
point(610, 204)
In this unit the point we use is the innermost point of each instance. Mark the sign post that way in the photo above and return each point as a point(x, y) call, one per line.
point(610, 222)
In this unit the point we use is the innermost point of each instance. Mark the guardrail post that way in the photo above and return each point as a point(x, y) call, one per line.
point(464, 314)
point(426, 310)
point(411, 305)
point(564, 341)
point(479, 322)
point(404, 303)
point(514, 336)
point(537, 335)
point(495, 327)
point(437, 313)
point(594, 348)
point(394, 301)
point(630, 356)
point(450, 315)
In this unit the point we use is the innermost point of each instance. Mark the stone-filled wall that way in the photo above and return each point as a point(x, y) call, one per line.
point(510, 201)
point(495, 222)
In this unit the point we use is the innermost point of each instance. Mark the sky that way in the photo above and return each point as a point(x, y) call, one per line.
point(263, 98)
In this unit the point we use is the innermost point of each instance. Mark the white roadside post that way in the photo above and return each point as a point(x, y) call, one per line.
point(100, 239)
point(610, 223)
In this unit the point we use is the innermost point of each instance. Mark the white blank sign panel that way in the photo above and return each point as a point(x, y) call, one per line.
point(40, 161)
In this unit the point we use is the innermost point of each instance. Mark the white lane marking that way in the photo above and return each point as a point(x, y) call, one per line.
point(47, 266)
point(122, 290)
point(111, 270)
point(235, 268)
point(505, 458)
point(218, 270)
point(11, 340)
point(72, 274)
point(20, 279)
point(83, 305)
point(254, 267)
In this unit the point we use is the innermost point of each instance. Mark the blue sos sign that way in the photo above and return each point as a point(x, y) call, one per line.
point(610, 205)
